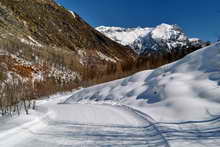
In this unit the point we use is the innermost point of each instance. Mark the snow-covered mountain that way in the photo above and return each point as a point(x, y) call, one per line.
point(188, 89)
point(163, 37)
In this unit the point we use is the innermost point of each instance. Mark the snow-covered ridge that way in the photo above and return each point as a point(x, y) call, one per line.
point(72, 13)
point(188, 89)
point(142, 40)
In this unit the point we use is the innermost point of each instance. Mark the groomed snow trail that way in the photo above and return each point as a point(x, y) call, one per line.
point(86, 125)
point(103, 125)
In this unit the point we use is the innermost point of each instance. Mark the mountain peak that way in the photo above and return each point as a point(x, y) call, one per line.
point(164, 37)
point(168, 32)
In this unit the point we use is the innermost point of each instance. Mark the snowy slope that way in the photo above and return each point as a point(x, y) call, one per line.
point(188, 89)
point(164, 37)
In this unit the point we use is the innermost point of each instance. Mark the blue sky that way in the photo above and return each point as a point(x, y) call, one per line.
point(198, 18)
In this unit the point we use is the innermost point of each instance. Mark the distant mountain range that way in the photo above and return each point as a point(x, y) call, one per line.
point(162, 38)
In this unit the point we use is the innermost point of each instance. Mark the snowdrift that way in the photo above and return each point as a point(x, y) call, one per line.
point(188, 89)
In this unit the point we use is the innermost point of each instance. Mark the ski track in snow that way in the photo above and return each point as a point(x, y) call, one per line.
point(48, 131)
point(54, 128)
point(63, 133)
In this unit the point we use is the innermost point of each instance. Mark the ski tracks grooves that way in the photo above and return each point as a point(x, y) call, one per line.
point(155, 131)
point(59, 133)
point(196, 133)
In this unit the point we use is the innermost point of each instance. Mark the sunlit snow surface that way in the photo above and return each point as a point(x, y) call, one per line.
point(177, 105)
point(185, 90)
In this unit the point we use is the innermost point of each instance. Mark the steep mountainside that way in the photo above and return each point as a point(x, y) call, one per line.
point(53, 49)
point(163, 38)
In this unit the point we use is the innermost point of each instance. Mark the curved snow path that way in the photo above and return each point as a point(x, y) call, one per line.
point(87, 125)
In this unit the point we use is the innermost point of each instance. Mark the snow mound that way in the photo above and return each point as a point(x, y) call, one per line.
point(188, 89)
point(164, 37)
